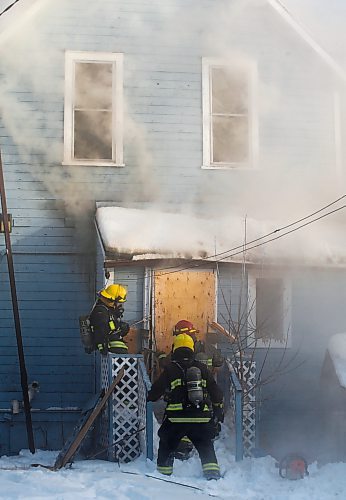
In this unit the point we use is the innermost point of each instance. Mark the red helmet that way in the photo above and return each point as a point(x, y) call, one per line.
point(184, 326)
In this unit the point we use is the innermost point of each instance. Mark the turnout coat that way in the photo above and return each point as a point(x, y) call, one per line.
point(172, 383)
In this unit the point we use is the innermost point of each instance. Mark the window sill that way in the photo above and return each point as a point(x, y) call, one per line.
point(235, 166)
point(94, 163)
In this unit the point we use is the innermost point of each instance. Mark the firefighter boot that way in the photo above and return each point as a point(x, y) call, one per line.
point(211, 471)
point(166, 468)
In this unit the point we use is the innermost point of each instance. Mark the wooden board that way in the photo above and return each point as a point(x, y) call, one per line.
point(132, 340)
point(180, 295)
point(72, 446)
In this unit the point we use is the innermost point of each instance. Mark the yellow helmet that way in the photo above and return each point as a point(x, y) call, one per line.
point(183, 340)
point(115, 292)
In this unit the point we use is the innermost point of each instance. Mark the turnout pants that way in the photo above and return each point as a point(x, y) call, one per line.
point(201, 435)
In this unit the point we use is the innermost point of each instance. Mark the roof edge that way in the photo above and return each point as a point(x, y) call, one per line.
point(18, 14)
point(304, 35)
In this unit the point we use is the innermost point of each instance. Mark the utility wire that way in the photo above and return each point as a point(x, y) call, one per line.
point(190, 264)
point(8, 7)
point(287, 232)
point(266, 235)
point(229, 254)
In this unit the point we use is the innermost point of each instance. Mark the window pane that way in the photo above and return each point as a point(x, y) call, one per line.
point(230, 139)
point(269, 309)
point(229, 91)
point(93, 135)
point(93, 89)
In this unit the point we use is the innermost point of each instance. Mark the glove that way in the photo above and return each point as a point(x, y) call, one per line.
point(123, 328)
point(218, 359)
point(162, 358)
point(102, 349)
point(218, 414)
point(119, 311)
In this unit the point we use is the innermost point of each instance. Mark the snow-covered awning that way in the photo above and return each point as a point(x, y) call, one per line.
point(143, 234)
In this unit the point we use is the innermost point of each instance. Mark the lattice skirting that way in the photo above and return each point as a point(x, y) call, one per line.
point(247, 376)
point(126, 411)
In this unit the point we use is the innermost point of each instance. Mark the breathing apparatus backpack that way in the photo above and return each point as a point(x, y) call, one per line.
point(194, 386)
point(86, 332)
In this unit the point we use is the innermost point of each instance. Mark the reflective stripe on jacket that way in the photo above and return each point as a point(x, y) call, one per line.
point(117, 344)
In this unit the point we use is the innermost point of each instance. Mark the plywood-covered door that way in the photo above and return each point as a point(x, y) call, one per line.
point(180, 295)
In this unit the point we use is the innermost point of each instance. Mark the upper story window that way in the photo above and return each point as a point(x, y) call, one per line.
point(269, 310)
point(229, 131)
point(93, 120)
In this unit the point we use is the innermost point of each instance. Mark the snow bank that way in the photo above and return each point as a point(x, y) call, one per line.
point(252, 479)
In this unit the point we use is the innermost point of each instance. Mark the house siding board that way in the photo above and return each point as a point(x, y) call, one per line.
point(133, 279)
point(232, 301)
point(52, 291)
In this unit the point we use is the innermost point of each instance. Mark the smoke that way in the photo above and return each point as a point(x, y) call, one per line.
point(293, 151)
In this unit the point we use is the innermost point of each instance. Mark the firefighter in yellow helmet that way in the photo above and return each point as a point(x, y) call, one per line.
point(193, 397)
point(207, 354)
point(106, 323)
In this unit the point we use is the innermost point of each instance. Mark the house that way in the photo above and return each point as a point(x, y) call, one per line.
point(206, 128)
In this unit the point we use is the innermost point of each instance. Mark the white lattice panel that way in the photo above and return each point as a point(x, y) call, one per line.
point(246, 373)
point(126, 412)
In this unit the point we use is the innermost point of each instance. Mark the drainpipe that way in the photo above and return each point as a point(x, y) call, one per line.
point(22, 367)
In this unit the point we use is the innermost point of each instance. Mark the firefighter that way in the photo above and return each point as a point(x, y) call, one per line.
point(105, 319)
point(211, 356)
point(194, 402)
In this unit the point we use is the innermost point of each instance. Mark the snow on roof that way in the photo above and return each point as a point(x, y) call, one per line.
point(147, 234)
point(337, 351)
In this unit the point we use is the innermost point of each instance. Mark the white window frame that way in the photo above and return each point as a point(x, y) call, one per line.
point(251, 69)
point(71, 57)
point(287, 308)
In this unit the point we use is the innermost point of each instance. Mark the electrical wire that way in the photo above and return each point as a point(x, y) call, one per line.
point(266, 235)
point(8, 7)
point(191, 264)
point(284, 234)
point(244, 248)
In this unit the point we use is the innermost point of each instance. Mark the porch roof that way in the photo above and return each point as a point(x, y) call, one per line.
point(131, 234)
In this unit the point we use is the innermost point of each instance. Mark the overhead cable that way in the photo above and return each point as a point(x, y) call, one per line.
point(8, 7)
point(244, 248)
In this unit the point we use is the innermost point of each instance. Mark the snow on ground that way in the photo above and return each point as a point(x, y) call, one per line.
point(251, 479)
